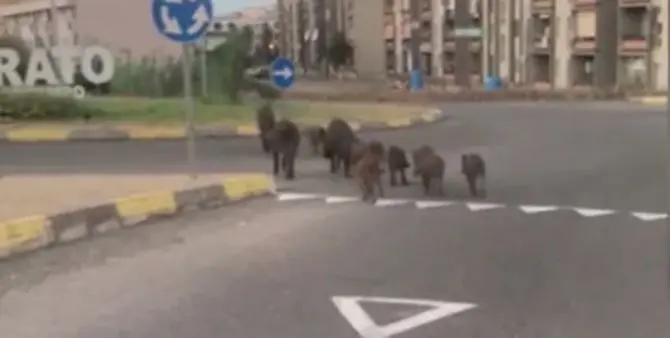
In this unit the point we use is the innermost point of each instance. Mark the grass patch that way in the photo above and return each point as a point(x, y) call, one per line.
point(170, 111)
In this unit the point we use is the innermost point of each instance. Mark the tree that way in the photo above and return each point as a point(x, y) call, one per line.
point(341, 52)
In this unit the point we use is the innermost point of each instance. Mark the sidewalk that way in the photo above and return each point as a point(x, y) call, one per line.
point(28, 195)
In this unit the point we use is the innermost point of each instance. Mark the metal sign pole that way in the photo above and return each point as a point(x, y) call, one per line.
point(189, 109)
point(667, 150)
point(203, 69)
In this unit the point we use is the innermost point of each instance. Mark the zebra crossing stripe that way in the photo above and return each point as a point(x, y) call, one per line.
point(471, 206)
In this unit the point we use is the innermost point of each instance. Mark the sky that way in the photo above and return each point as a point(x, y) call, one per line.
point(227, 6)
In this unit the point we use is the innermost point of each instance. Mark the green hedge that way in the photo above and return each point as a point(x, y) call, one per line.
point(24, 107)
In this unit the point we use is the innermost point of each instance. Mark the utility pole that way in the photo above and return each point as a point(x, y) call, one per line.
point(415, 34)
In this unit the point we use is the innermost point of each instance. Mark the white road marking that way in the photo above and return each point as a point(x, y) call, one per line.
point(390, 202)
point(432, 204)
point(351, 310)
point(483, 206)
point(535, 209)
point(586, 212)
point(341, 199)
point(649, 216)
point(474, 206)
point(296, 197)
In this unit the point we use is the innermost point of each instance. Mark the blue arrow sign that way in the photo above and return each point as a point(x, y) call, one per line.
point(182, 21)
point(282, 73)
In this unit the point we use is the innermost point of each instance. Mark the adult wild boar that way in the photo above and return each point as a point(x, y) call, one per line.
point(316, 136)
point(473, 168)
point(430, 167)
point(284, 141)
point(368, 171)
point(397, 163)
point(265, 122)
point(337, 145)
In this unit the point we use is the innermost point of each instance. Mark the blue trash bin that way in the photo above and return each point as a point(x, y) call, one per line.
point(415, 80)
point(493, 83)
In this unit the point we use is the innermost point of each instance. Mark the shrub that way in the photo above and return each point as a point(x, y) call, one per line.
point(31, 107)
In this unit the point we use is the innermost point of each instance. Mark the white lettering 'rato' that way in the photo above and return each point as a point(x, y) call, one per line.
point(430, 167)
point(473, 168)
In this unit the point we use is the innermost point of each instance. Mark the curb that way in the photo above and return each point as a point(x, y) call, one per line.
point(105, 133)
point(32, 233)
point(656, 101)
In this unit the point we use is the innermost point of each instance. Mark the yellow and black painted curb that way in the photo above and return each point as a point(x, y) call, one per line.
point(41, 231)
point(118, 133)
point(656, 101)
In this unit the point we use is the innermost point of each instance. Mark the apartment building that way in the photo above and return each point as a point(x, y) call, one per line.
point(544, 43)
point(580, 43)
point(382, 32)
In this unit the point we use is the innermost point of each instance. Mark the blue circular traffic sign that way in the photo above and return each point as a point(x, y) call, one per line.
point(182, 21)
point(282, 73)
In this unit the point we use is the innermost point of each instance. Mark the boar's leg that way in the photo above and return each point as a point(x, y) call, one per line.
point(378, 181)
point(392, 173)
point(265, 144)
point(346, 161)
point(403, 178)
point(334, 159)
point(275, 162)
point(425, 180)
point(289, 169)
point(472, 185)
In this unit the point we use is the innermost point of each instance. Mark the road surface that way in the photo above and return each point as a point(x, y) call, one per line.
point(238, 272)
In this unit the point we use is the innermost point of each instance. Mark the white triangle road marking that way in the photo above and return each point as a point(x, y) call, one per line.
point(351, 310)
point(649, 216)
point(341, 199)
point(432, 204)
point(390, 202)
point(284, 197)
point(483, 206)
point(586, 212)
point(535, 209)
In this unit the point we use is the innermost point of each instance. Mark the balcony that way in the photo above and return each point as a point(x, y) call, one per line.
point(636, 30)
point(585, 4)
point(634, 3)
point(632, 46)
point(584, 45)
point(542, 6)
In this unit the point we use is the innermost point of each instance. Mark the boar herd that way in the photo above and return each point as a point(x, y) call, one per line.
point(365, 161)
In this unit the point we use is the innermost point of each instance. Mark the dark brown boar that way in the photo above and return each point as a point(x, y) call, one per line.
point(473, 168)
point(430, 167)
point(337, 145)
point(397, 163)
point(368, 171)
point(284, 141)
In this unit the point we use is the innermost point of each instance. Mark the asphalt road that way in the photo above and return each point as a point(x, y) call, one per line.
point(238, 272)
